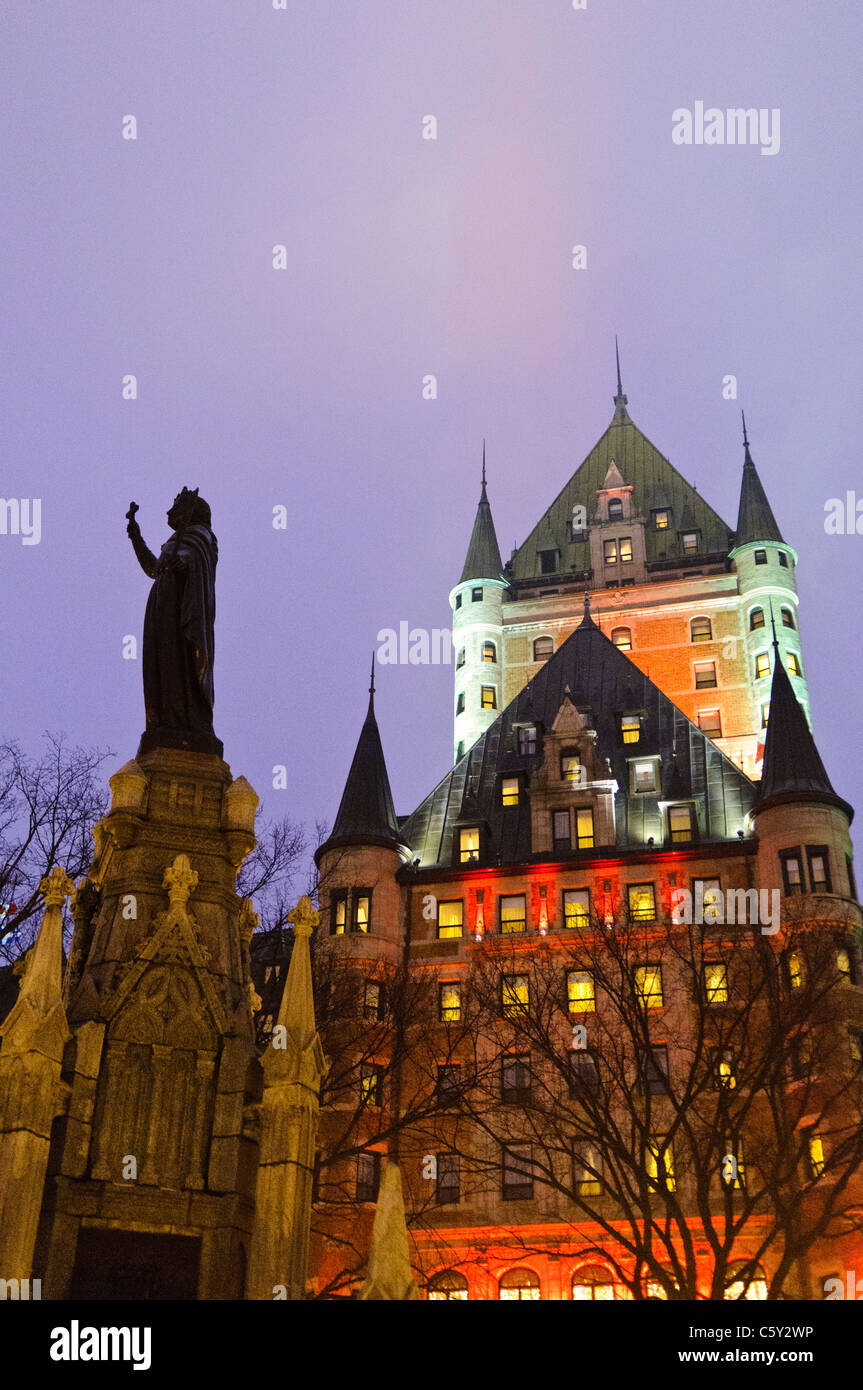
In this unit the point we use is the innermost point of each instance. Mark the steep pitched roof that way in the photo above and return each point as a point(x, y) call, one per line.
point(366, 814)
point(655, 483)
point(606, 683)
point(483, 554)
point(792, 768)
point(755, 519)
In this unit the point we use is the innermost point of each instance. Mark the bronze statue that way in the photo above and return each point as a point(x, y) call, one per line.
point(179, 629)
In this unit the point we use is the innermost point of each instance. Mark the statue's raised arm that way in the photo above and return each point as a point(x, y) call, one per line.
point(179, 643)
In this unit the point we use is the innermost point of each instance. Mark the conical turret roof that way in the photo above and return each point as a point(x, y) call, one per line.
point(792, 769)
point(483, 554)
point(366, 814)
point(755, 519)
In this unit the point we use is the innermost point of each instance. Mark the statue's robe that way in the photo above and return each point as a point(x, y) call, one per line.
point(179, 635)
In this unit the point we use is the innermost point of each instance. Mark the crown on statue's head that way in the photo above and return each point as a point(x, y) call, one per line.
point(187, 497)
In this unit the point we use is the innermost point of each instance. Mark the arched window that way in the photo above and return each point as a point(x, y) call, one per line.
point(615, 509)
point(448, 1287)
point(489, 651)
point(701, 630)
point(519, 1285)
point(622, 638)
point(787, 618)
point(593, 1283)
point(543, 648)
point(753, 1288)
point(459, 661)
point(756, 619)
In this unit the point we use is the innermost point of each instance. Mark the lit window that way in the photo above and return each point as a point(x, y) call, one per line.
point(593, 1284)
point(642, 902)
point(450, 919)
point(488, 698)
point(543, 648)
point(725, 1074)
point(756, 619)
point(584, 828)
point(787, 618)
point(449, 1000)
point(373, 1000)
point(701, 630)
point(622, 638)
point(489, 651)
point(580, 992)
point(819, 873)
point(792, 661)
point(509, 791)
point(448, 1288)
point(459, 704)
point(794, 969)
point(707, 893)
point(520, 1286)
point(588, 1180)
point(460, 659)
point(765, 714)
point(371, 1084)
point(339, 915)
point(630, 728)
point(514, 1077)
point(576, 907)
point(609, 552)
point(514, 995)
point(615, 509)
point(680, 824)
point(689, 540)
point(570, 767)
point(710, 722)
point(368, 1176)
point(644, 776)
point(792, 871)
point(783, 559)
point(843, 963)
point(625, 549)
point(362, 910)
point(513, 913)
point(468, 844)
point(761, 557)
point(656, 1070)
point(648, 985)
point(518, 1179)
point(527, 740)
point(716, 982)
point(448, 1086)
point(448, 1187)
point(660, 1166)
point(733, 1169)
point(654, 1290)
point(661, 519)
point(816, 1155)
point(705, 674)
point(561, 833)
point(476, 595)
point(752, 1289)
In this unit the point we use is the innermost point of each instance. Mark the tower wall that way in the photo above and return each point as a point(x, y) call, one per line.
point(474, 623)
point(760, 586)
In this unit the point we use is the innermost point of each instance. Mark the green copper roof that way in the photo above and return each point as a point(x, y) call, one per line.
point(656, 484)
point(755, 519)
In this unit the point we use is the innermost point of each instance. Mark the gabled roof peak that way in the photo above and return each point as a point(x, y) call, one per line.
point(613, 479)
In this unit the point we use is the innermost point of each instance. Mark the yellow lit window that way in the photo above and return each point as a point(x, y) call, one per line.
point(630, 728)
point(593, 1285)
point(754, 1291)
point(756, 619)
point(661, 519)
point(570, 767)
point(655, 1290)
point(609, 551)
point(519, 1286)
point(515, 995)
point(648, 985)
point(733, 1168)
point(370, 1085)
point(362, 912)
point(340, 916)
point(448, 1288)
point(762, 665)
point(584, 828)
point(450, 919)
point(716, 983)
point(513, 913)
point(488, 699)
point(795, 970)
point(792, 661)
point(576, 907)
point(580, 992)
point(509, 791)
point(625, 549)
point(660, 1166)
point(843, 963)
point(622, 638)
point(680, 823)
point(587, 1183)
point(816, 1155)
point(642, 902)
point(727, 1079)
point(468, 841)
point(450, 1002)
point(489, 651)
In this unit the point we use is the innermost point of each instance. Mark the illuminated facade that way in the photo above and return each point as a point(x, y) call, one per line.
point(526, 986)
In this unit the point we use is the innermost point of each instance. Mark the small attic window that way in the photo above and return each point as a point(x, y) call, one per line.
point(630, 728)
point(615, 509)
point(661, 518)
point(680, 826)
point(622, 638)
point(689, 541)
point(468, 845)
point(549, 561)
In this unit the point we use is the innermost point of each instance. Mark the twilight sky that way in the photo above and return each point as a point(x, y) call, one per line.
point(405, 256)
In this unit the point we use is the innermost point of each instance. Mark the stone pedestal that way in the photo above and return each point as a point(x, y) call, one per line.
point(150, 1192)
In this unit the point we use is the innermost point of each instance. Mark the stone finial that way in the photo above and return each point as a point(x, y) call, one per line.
point(181, 880)
point(249, 921)
point(304, 917)
point(239, 806)
point(128, 787)
point(389, 1273)
point(56, 887)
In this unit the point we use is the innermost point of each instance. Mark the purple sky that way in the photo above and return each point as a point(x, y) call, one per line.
point(406, 257)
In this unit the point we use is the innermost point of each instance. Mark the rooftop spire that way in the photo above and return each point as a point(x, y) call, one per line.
point(755, 519)
point(621, 415)
point(366, 814)
point(792, 768)
point(372, 689)
point(483, 554)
